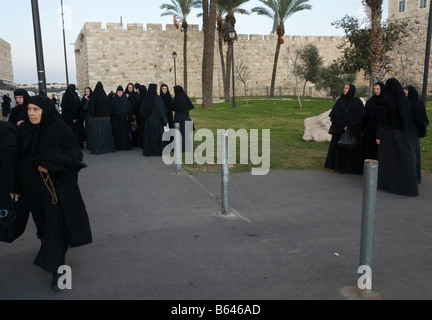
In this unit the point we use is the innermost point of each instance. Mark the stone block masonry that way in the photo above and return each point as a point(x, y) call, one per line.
point(116, 56)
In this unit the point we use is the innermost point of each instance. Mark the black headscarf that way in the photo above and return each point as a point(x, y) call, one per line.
point(418, 109)
point(397, 105)
point(23, 93)
point(348, 97)
point(99, 105)
point(181, 102)
point(148, 103)
point(166, 97)
point(70, 101)
point(142, 94)
point(121, 104)
point(32, 139)
point(374, 102)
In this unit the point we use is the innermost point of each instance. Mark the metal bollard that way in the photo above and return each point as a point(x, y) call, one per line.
point(370, 182)
point(225, 172)
point(178, 147)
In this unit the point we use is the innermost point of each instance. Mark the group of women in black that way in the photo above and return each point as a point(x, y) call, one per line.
point(388, 128)
point(41, 155)
point(129, 118)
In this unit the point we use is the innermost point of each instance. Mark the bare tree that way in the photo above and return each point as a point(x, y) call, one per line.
point(242, 73)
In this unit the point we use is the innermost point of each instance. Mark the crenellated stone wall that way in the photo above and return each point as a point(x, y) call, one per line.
point(116, 56)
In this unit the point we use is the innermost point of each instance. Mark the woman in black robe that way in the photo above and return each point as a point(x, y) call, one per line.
point(418, 124)
point(85, 101)
point(369, 128)
point(153, 113)
point(45, 176)
point(139, 135)
point(19, 113)
point(182, 105)
point(167, 99)
point(347, 113)
point(100, 137)
point(121, 120)
point(7, 155)
point(73, 114)
point(397, 171)
point(132, 96)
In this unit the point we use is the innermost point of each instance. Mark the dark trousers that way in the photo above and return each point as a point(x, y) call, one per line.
point(54, 246)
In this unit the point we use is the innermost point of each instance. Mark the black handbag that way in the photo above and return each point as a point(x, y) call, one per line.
point(347, 141)
point(13, 221)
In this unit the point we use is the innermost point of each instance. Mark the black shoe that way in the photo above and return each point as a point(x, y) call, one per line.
point(54, 283)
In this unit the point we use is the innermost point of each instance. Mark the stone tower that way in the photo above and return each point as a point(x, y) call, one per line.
point(409, 58)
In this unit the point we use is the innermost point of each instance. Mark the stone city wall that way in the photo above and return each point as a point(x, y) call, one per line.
point(116, 56)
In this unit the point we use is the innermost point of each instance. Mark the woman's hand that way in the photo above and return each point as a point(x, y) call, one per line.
point(378, 141)
point(15, 197)
point(42, 169)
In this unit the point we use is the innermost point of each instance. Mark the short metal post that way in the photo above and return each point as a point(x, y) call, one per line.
point(177, 147)
point(370, 182)
point(225, 172)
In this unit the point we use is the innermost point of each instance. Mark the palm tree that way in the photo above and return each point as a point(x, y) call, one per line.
point(229, 8)
point(377, 51)
point(279, 11)
point(209, 20)
point(180, 9)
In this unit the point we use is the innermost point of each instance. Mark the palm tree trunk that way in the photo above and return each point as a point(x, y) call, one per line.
point(377, 52)
point(209, 20)
point(273, 80)
point(185, 30)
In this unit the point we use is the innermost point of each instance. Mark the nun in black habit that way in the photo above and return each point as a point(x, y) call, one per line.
point(121, 120)
point(7, 155)
point(153, 113)
point(139, 135)
point(167, 99)
point(418, 124)
point(19, 112)
point(45, 176)
point(397, 160)
point(181, 105)
point(100, 137)
point(369, 127)
point(73, 113)
point(347, 113)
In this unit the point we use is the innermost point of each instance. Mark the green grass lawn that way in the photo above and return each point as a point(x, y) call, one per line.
point(286, 121)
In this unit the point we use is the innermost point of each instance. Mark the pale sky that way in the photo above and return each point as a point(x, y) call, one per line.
point(16, 27)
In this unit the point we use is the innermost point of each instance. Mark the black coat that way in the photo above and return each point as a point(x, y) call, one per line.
point(348, 111)
point(121, 120)
point(53, 146)
point(153, 113)
point(396, 155)
point(7, 154)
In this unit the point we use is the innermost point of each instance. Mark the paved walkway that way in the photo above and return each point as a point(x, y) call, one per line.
point(292, 235)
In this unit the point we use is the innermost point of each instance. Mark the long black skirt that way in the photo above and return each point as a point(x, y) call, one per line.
point(397, 169)
point(52, 252)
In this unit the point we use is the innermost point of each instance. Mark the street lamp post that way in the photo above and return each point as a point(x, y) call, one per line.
point(232, 34)
point(38, 46)
point(427, 57)
point(174, 55)
point(64, 46)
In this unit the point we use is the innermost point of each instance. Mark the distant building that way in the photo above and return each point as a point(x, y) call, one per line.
point(409, 58)
point(6, 70)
